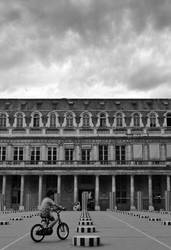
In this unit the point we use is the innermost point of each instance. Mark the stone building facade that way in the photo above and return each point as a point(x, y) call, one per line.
point(119, 148)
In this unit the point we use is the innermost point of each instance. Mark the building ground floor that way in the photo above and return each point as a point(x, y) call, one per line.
point(123, 191)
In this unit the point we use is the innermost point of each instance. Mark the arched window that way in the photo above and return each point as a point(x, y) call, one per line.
point(52, 120)
point(69, 120)
point(3, 120)
point(86, 120)
point(119, 120)
point(102, 120)
point(136, 120)
point(19, 121)
point(168, 119)
point(36, 120)
point(152, 120)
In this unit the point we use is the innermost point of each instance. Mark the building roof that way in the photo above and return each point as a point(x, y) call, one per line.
point(84, 104)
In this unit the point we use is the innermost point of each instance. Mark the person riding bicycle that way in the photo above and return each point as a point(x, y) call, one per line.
point(47, 206)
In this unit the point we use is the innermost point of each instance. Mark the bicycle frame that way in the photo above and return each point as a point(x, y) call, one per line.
point(52, 223)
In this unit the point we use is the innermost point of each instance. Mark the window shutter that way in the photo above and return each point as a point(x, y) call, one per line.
point(154, 151)
point(169, 151)
point(137, 151)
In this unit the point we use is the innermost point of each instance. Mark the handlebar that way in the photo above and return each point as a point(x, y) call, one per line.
point(58, 209)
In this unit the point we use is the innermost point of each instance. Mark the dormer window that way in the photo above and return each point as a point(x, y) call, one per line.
point(102, 120)
point(52, 120)
point(152, 120)
point(119, 120)
point(86, 120)
point(168, 120)
point(36, 120)
point(136, 120)
point(3, 120)
point(69, 120)
point(19, 120)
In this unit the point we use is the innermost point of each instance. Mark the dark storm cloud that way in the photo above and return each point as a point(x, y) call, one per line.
point(43, 25)
point(55, 32)
point(150, 12)
point(149, 77)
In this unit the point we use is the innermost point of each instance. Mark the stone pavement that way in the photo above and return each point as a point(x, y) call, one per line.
point(119, 231)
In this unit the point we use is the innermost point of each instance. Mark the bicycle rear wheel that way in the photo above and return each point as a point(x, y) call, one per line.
point(62, 231)
point(36, 233)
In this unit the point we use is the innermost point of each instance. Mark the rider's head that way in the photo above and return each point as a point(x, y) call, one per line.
point(50, 194)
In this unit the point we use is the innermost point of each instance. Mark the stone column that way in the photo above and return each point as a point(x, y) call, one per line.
point(40, 190)
point(114, 191)
point(4, 191)
point(132, 207)
point(97, 207)
point(150, 193)
point(21, 208)
point(168, 183)
point(59, 188)
point(167, 194)
point(75, 188)
point(113, 184)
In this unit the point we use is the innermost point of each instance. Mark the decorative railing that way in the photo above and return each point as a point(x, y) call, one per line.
point(46, 131)
point(84, 164)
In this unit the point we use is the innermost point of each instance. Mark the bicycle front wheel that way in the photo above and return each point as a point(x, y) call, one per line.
point(36, 233)
point(62, 231)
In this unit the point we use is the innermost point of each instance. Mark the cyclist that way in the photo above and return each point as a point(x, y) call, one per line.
point(47, 207)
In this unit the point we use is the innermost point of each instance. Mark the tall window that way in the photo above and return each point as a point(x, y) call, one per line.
point(136, 120)
point(35, 155)
point(69, 120)
point(52, 155)
point(152, 120)
point(85, 156)
point(86, 120)
point(120, 154)
point(68, 154)
point(3, 120)
point(19, 118)
point(119, 122)
point(103, 154)
point(168, 120)
point(102, 120)
point(2, 153)
point(18, 154)
point(36, 120)
point(52, 120)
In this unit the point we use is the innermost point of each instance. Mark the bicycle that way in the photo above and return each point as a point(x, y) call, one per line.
point(39, 231)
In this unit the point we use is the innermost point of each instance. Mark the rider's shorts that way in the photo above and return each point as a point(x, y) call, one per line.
point(47, 214)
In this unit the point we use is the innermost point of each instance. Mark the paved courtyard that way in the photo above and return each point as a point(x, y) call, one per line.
point(118, 231)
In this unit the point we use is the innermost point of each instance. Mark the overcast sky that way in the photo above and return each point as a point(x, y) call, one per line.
point(85, 48)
